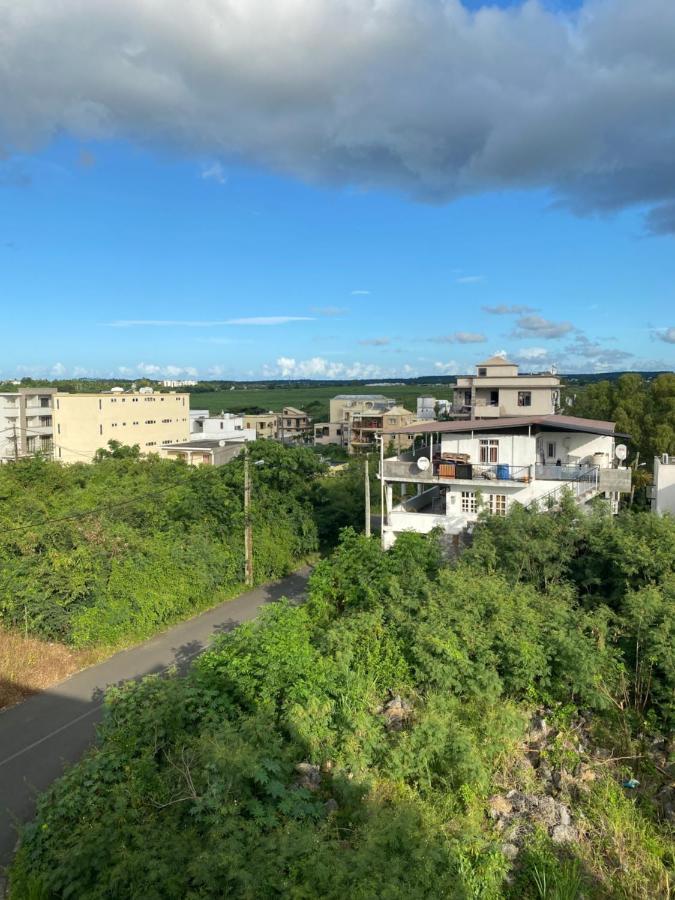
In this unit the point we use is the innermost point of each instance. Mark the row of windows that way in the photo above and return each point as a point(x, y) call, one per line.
point(124, 424)
point(496, 503)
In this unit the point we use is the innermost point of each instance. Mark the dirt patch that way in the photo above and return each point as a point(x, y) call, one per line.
point(28, 665)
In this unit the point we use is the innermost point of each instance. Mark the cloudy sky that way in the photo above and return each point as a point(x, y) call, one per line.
point(344, 188)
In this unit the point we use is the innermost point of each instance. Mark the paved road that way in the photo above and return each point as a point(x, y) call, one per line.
point(40, 735)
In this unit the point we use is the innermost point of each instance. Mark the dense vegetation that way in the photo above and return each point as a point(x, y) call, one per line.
point(644, 409)
point(377, 741)
point(163, 541)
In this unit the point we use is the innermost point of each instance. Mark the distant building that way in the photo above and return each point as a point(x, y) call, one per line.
point(430, 408)
point(203, 452)
point(663, 489)
point(497, 390)
point(84, 423)
point(331, 433)
point(456, 469)
point(170, 383)
point(356, 420)
point(26, 423)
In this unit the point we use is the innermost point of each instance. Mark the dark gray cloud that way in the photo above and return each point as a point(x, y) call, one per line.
point(423, 96)
point(598, 357)
point(665, 334)
point(535, 326)
point(504, 309)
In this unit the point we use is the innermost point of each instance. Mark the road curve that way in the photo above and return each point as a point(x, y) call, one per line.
point(53, 729)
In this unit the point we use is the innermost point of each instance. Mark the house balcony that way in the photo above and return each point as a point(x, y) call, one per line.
point(445, 472)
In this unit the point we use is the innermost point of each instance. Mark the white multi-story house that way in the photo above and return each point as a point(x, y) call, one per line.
point(430, 408)
point(225, 427)
point(455, 469)
point(26, 425)
point(663, 490)
point(497, 390)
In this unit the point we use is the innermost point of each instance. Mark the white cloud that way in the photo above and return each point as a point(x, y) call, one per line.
point(214, 172)
point(319, 367)
point(360, 293)
point(58, 370)
point(533, 353)
point(507, 310)
point(446, 368)
point(155, 370)
point(470, 279)
point(460, 337)
point(206, 323)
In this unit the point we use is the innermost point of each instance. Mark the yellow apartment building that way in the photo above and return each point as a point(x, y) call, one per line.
point(82, 423)
point(266, 424)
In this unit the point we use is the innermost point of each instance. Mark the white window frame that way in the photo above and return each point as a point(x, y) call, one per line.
point(468, 499)
point(488, 448)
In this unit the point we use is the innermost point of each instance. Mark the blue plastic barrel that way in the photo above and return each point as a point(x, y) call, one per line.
point(503, 473)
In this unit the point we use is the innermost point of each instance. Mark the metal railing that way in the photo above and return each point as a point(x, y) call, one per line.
point(501, 472)
point(585, 482)
point(550, 472)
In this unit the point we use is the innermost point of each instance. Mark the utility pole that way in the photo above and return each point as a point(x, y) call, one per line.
point(16, 445)
point(382, 497)
point(367, 490)
point(248, 530)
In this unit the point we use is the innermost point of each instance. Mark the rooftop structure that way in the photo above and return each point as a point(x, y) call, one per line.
point(497, 389)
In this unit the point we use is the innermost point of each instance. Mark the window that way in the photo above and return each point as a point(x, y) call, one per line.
point(468, 501)
point(550, 449)
point(30, 444)
point(150, 421)
point(524, 398)
point(498, 504)
point(100, 403)
point(45, 420)
point(494, 398)
point(100, 429)
point(489, 451)
point(482, 370)
point(392, 420)
point(44, 402)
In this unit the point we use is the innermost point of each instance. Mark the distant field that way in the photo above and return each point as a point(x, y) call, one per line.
point(314, 400)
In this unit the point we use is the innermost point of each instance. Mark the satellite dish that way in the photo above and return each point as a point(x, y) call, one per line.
point(423, 463)
point(621, 452)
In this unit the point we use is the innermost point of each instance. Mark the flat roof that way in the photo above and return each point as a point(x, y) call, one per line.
point(361, 397)
point(207, 444)
point(558, 423)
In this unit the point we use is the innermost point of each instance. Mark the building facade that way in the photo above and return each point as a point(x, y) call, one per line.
point(26, 423)
point(430, 408)
point(663, 488)
point(203, 451)
point(357, 419)
point(294, 425)
point(226, 426)
point(456, 469)
point(83, 423)
point(265, 425)
point(498, 390)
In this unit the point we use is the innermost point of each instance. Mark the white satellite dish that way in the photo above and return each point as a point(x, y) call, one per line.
point(621, 451)
point(423, 463)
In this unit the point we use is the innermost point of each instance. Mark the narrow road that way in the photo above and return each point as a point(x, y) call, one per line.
point(44, 733)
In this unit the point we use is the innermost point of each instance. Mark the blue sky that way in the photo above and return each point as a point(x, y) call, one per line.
point(128, 253)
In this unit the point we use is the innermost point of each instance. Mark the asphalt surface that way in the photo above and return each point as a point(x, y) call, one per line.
point(51, 730)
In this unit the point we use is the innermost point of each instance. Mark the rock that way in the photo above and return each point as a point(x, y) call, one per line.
point(396, 712)
point(331, 806)
point(538, 730)
point(547, 810)
point(586, 774)
point(545, 772)
point(510, 851)
point(563, 834)
point(564, 815)
point(499, 807)
point(309, 776)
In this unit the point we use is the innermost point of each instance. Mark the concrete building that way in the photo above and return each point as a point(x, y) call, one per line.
point(331, 433)
point(83, 423)
point(171, 383)
point(359, 418)
point(497, 390)
point(26, 423)
point(457, 468)
point(226, 426)
point(663, 488)
point(294, 425)
point(203, 452)
point(265, 425)
point(430, 408)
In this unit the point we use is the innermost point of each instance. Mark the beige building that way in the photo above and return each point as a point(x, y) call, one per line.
point(294, 424)
point(26, 425)
point(497, 390)
point(356, 420)
point(265, 425)
point(83, 423)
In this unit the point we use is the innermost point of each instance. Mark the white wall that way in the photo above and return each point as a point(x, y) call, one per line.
point(664, 486)
point(573, 447)
point(514, 449)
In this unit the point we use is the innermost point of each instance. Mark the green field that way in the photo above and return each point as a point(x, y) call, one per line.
point(313, 400)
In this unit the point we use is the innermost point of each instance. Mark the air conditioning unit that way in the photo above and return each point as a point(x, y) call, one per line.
point(665, 459)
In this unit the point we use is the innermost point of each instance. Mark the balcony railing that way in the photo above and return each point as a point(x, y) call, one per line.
point(583, 485)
